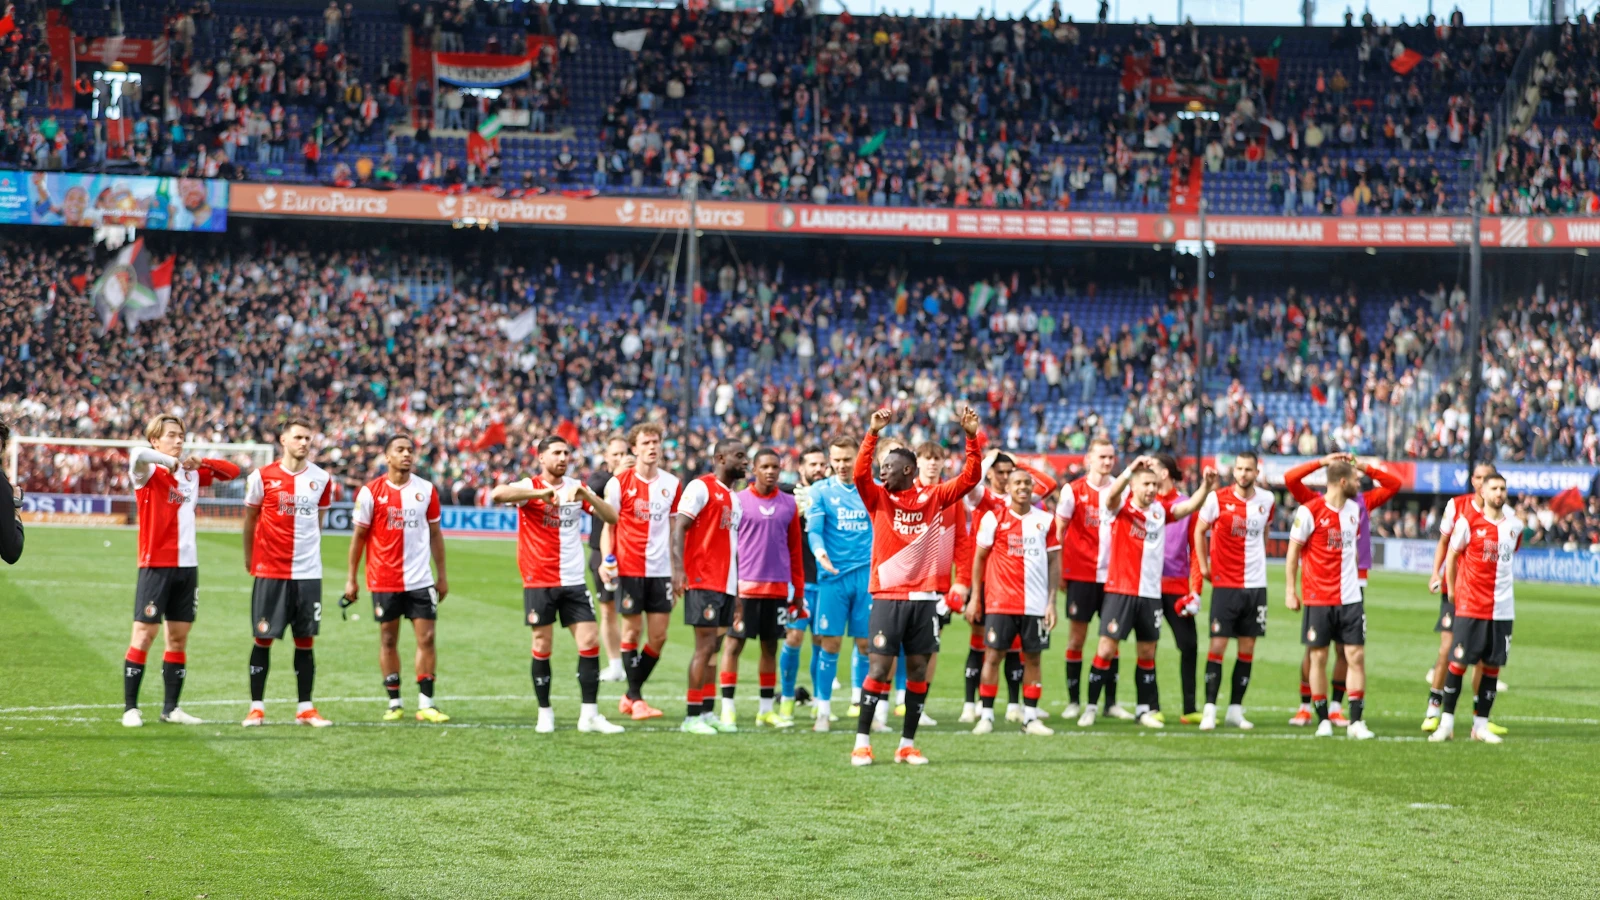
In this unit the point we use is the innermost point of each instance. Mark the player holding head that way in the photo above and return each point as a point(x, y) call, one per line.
point(909, 576)
point(1230, 544)
point(1454, 509)
point(396, 519)
point(839, 530)
point(165, 487)
point(1016, 570)
point(1085, 539)
point(1180, 588)
point(705, 573)
point(1387, 486)
point(813, 469)
point(283, 550)
point(1137, 517)
point(554, 587)
point(1479, 566)
point(643, 496)
point(613, 461)
point(1324, 538)
point(772, 585)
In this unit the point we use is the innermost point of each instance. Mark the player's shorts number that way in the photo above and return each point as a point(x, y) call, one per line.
point(316, 611)
point(1261, 617)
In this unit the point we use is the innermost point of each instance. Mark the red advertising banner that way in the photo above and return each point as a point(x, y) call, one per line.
point(909, 222)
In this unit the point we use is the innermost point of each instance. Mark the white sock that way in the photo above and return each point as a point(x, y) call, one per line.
point(765, 705)
point(907, 742)
point(588, 710)
point(968, 707)
point(1029, 713)
point(1334, 707)
point(1480, 722)
point(863, 740)
point(855, 696)
point(988, 713)
point(728, 703)
point(1305, 707)
point(1433, 710)
point(900, 698)
point(824, 709)
point(395, 703)
point(1447, 721)
point(305, 705)
point(1141, 709)
point(423, 702)
point(259, 704)
point(881, 713)
point(1235, 710)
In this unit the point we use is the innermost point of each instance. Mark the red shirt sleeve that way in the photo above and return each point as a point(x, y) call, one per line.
point(949, 492)
point(966, 524)
point(1388, 486)
point(871, 492)
point(1042, 484)
point(1195, 581)
point(797, 563)
point(1294, 480)
point(434, 513)
point(212, 470)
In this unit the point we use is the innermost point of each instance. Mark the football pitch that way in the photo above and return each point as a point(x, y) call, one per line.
point(484, 807)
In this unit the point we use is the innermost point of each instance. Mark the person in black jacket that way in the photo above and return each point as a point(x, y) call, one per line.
point(10, 519)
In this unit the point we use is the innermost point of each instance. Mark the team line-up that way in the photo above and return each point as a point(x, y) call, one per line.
point(885, 551)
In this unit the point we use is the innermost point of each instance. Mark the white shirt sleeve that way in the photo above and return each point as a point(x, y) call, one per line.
point(1210, 509)
point(362, 513)
point(140, 459)
point(1067, 504)
point(695, 497)
point(254, 491)
point(986, 529)
point(1460, 534)
point(613, 493)
point(1447, 519)
point(1300, 532)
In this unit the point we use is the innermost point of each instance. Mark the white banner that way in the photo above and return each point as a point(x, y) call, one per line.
point(632, 41)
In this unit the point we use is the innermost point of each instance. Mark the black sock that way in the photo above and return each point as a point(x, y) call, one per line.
point(1320, 705)
point(425, 686)
point(1305, 693)
point(172, 675)
point(1145, 688)
point(260, 662)
point(973, 673)
point(1338, 691)
point(391, 686)
point(305, 671)
point(988, 700)
point(768, 692)
point(541, 681)
point(1241, 679)
point(728, 690)
point(1074, 678)
point(1214, 678)
point(1013, 677)
point(1436, 698)
point(630, 661)
point(1111, 682)
point(132, 675)
point(1186, 663)
point(1452, 690)
point(869, 706)
point(1357, 706)
point(589, 677)
point(915, 701)
point(1487, 688)
point(643, 666)
point(1099, 680)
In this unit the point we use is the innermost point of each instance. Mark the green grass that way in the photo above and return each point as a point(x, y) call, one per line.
point(484, 807)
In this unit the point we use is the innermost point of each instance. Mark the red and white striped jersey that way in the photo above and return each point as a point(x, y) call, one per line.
point(1453, 510)
point(399, 541)
point(1328, 572)
point(1016, 576)
point(641, 539)
point(165, 498)
point(550, 535)
point(1087, 545)
point(1238, 537)
point(1138, 539)
point(1483, 588)
point(288, 541)
point(711, 542)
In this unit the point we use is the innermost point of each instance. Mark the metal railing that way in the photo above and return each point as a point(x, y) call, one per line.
point(1503, 116)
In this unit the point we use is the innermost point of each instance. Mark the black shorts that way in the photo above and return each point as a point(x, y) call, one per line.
point(1322, 625)
point(600, 593)
point(1486, 641)
point(1122, 616)
point(544, 606)
point(279, 603)
point(1084, 599)
point(1238, 612)
point(422, 603)
point(707, 609)
point(1001, 630)
point(1447, 615)
point(646, 594)
point(909, 625)
point(166, 594)
point(762, 619)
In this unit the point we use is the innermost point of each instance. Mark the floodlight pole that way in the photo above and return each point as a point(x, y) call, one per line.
point(691, 315)
point(1474, 352)
point(1200, 349)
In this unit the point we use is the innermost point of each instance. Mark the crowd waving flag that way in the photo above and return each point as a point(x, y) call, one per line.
point(485, 141)
point(133, 290)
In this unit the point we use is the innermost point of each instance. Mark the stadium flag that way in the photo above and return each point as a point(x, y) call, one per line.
point(493, 436)
point(1567, 502)
point(131, 290)
point(484, 142)
point(632, 41)
point(8, 22)
point(872, 145)
point(1405, 62)
point(568, 431)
